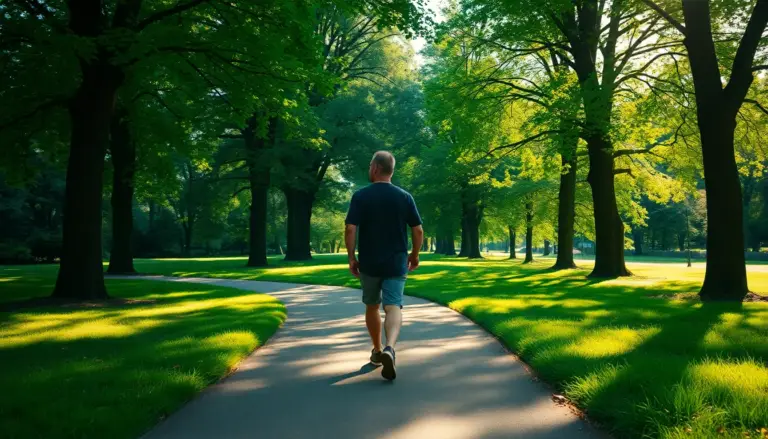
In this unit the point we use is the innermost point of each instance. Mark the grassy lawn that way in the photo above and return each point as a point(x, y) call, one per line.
point(640, 365)
point(113, 372)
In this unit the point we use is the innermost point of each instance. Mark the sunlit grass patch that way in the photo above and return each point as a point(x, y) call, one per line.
point(115, 371)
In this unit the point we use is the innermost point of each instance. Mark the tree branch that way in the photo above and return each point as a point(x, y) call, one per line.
point(667, 16)
point(524, 141)
point(179, 8)
point(757, 104)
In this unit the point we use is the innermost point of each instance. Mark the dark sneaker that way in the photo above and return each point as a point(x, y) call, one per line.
point(375, 357)
point(389, 371)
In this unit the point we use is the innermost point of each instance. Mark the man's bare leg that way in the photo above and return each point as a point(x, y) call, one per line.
point(373, 323)
point(392, 323)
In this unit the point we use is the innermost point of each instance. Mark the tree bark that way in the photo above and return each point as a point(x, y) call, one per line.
point(257, 224)
point(464, 250)
point(528, 232)
point(547, 247)
point(609, 229)
point(259, 180)
point(188, 228)
point(299, 203)
point(81, 273)
point(512, 243)
point(583, 33)
point(566, 213)
point(123, 152)
point(449, 245)
point(716, 109)
point(473, 234)
point(726, 276)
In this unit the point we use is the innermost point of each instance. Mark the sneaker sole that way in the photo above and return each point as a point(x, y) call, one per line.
point(389, 371)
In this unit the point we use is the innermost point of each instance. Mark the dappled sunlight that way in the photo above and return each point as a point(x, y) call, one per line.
point(609, 342)
point(62, 326)
point(521, 422)
point(428, 276)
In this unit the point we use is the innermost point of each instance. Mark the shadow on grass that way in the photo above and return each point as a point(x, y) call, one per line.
point(114, 372)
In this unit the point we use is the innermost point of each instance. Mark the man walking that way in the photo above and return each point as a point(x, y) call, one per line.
point(379, 215)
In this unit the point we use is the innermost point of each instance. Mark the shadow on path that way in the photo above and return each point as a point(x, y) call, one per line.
point(454, 380)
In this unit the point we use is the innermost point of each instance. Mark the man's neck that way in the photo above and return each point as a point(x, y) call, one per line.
point(389, 180)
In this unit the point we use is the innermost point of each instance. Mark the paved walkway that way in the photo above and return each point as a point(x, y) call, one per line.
point(313, 380)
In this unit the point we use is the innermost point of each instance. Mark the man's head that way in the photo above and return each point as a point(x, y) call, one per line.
point(382, 166)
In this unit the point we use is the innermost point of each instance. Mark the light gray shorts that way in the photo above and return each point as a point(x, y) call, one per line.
point(387, 290)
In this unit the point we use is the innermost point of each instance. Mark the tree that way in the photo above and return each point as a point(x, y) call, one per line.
point(716, 110)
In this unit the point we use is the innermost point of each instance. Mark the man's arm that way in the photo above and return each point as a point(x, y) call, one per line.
point(417, 236)
point(350, 233)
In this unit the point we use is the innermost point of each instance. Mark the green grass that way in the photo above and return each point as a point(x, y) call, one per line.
point(113, 372)
point(640, 365)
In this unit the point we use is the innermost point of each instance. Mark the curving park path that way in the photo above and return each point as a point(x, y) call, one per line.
point(313, 380)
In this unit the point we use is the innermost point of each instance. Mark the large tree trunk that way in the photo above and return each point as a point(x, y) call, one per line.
point(512, 243)
point(123, 152)
point(81, 273)
point(583, 34)
point(566, 214)
point(528, 232)
point(609, 230)
point(299, 219)
point(726, 276)
point(716, 108)
point(547, 247)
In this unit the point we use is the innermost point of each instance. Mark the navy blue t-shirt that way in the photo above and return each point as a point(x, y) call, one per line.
point(381, 212)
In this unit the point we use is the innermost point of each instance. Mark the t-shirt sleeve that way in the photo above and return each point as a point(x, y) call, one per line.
point(354, 213)
point(413, 217)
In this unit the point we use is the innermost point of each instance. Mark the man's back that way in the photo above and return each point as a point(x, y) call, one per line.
point(382, 212)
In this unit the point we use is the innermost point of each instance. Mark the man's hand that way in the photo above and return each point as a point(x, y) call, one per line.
point(413, 261)
point(354, 267)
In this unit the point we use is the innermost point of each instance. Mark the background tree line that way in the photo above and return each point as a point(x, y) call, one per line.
point(205, 127)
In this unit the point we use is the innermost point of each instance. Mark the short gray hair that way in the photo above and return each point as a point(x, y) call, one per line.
point(385, 161)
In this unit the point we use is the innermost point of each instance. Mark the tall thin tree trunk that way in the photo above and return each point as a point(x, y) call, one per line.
point(299, 203)
point(566, 214)
point(512, 243)
point(123, 152)
point(637, 236)
point(547, 247)
point(528, 232)
point(259, 181)
point(257, 229)
point(188, 227)
point(464, 250)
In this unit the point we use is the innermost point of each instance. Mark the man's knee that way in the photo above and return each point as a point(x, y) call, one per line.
point(392, 308)
point(372, 307)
